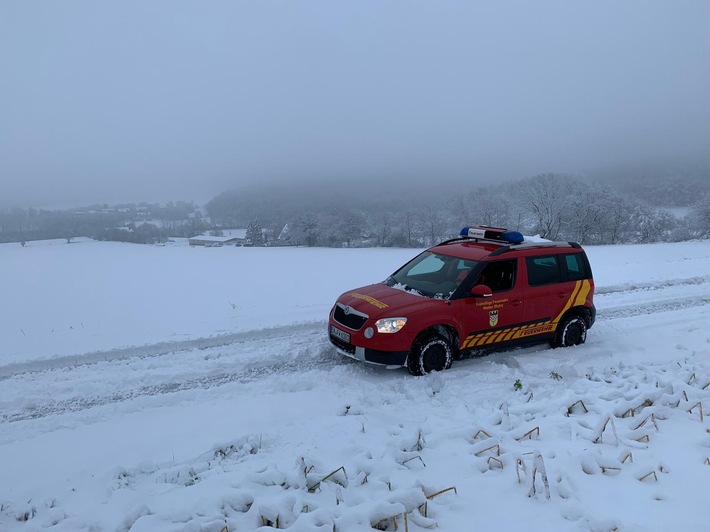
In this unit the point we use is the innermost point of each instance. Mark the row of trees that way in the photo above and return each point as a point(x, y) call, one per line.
point(553, 206)
point(699, 218)
point(143, 223)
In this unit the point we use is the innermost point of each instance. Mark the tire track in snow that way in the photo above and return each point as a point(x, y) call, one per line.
point(653, 307)
point(325, 358)
point(159, 349)
point(646, 287)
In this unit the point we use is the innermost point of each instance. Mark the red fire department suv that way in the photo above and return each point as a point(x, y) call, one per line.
point(488, 288)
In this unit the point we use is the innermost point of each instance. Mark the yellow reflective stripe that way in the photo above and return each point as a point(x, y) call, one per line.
point(475, 340)
point(510, 334)
point(493, 339)
point(471, 341)
point(582, 296)
point(572, 298)
point(468, 342)
point(503, 335)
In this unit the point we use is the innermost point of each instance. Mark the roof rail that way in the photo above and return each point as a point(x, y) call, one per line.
point(527, 245)
point(500, 251)
point(462, 238)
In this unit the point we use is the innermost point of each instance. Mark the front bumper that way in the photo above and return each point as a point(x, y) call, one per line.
point(393, 359)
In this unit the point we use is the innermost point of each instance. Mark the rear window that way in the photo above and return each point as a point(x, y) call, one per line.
point(576, 267)
point(557, 268)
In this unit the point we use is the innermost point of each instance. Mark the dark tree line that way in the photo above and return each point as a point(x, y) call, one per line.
point(143, 223)
point(553, 206)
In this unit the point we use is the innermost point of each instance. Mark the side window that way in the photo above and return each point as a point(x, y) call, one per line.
point(543, 270)
point(575, 267)
point(499, 276)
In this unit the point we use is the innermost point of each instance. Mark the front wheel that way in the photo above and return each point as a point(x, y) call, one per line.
point(429, 353)
point(572, 331)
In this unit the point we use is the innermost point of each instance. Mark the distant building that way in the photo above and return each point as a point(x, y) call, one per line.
point(215, 241)
point(231, 237)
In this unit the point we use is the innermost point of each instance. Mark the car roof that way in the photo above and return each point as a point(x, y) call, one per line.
point(480, 249)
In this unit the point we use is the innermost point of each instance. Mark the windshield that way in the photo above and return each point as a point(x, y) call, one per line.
point(432, 274)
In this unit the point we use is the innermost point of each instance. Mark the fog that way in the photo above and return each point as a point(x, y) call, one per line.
point(134, 100)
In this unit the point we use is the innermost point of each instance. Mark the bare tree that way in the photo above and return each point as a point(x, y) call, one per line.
point(649, 224)
point(351, 226)
point(306, 229)
point(700, 215)
point(409, 229)
point(433, 225)
point(615, 220)
point(586, 213)
point(381, 227)
point(490, 206)
point(545, 198)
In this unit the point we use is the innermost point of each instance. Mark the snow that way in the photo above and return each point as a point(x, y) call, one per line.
point(235, 233)
point(150, 388)
point(679, 212)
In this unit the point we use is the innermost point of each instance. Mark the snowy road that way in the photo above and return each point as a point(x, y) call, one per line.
point(126, 374)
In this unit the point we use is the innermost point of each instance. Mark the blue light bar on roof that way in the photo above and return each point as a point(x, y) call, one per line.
point(473, 232)
point(513, 237)
point(492, 233)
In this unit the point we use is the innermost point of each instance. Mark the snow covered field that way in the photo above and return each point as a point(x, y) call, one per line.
point(174, 388)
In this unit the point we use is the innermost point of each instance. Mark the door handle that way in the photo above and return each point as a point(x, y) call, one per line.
point(516, 302)
point(563, 295)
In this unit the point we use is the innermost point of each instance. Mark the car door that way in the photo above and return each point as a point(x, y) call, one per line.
point(548, 290)
point(487, 321)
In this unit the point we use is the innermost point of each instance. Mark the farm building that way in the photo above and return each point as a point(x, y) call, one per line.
point(231, 237)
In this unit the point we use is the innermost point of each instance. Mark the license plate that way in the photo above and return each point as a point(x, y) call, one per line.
point(340, 335)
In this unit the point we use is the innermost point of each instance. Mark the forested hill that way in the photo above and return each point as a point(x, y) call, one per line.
point(396, 212)
point(660, 185)
point(621, 206)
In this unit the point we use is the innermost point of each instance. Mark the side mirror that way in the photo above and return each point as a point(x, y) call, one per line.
point(481, 290)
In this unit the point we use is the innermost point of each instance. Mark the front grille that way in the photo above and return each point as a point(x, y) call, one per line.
point(352, 319)
point(348, 348)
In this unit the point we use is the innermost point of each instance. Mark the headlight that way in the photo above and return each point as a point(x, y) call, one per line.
point(390, 325)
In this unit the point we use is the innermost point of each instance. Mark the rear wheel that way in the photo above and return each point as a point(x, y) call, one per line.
point(429, 353)
point(572, 331)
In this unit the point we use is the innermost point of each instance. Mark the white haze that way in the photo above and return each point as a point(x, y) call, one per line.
point(161, 100)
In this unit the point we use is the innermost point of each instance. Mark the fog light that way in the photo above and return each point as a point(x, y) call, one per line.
point(369, 332)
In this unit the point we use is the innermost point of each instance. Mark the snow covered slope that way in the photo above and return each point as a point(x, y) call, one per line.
point(175, 388)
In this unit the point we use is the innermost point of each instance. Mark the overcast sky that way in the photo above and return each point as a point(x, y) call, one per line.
point(158, 100)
